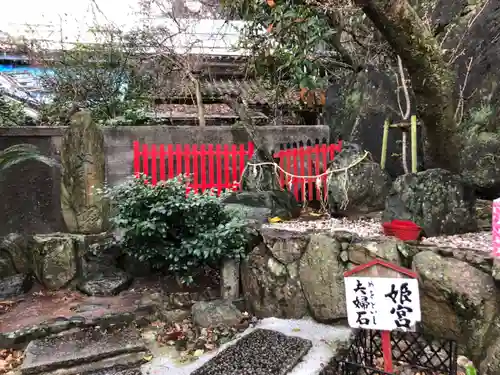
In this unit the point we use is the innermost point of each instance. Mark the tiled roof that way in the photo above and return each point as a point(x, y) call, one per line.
point(217, 90)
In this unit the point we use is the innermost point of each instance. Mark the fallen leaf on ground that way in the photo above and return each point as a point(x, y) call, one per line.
point(275, 219)
point(198, 352)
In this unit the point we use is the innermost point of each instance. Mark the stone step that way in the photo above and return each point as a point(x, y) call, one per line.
point(124, 364)
point(76, 348)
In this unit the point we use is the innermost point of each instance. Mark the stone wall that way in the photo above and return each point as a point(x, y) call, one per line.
point(30, 193)
point(293, 274)
point(61, 262)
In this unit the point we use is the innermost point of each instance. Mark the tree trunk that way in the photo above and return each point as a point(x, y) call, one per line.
point(267, 179)
point(432, 81)
point(199, 101)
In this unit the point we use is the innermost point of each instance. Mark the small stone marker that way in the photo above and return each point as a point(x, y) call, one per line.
point(230, 288)
point(382, 296)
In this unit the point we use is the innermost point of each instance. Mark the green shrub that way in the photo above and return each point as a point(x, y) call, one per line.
point(165, 226)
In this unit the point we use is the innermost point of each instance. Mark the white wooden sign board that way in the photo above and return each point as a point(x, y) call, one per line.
point(382, 303)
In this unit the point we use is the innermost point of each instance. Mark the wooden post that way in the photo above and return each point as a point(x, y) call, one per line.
point(387, 351)
point(414, 144)
point(383, 157)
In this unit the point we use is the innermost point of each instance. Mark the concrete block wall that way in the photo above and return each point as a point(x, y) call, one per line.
point(30, 193)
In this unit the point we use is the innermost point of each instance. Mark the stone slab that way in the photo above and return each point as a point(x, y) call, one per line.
point(77, 348)
point(113, 371)
point(262, 352)
point(124, 364)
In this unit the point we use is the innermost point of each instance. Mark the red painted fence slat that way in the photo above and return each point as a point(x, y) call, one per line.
point(145, 159)
point(178, 157)
point(196, 175)
point(324, 162)
point(137, 158)
point(241, 157)
point(299, 165)
point(210, 154)
point(295, 181)
point(170, 158)
point(234, 166)
point(162, 163)
point(187, 162)
point(218, 166)
point(227, 179)
point(154, 174)
point(311, 172)
point(203, 168)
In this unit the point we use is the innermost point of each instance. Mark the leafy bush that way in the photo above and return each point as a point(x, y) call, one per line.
point(165, 226)
point(11, 113)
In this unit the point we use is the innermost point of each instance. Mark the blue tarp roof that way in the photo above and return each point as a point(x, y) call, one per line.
point(13, 58)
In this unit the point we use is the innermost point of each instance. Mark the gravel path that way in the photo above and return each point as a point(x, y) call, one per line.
point(371, 228)
point(262, 352)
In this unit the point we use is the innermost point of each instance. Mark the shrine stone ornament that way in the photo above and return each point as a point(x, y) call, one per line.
point(83, 173)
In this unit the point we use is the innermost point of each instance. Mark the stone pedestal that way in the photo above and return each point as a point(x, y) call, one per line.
point(230, 285)
point(83, 171)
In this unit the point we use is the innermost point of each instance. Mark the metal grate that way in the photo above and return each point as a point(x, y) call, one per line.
point(413, 350)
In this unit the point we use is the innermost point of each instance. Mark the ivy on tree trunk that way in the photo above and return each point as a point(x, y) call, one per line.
point(432, 81)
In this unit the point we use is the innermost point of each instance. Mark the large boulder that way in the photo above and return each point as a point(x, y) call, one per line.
point(322, 278)
point(97, 253)
point(287, 246)
point(109, 282)
point(15, 285)
point(435, 199)
point(54, 259)
point(6, 265)
point(480, 162)
point(364, 251)
point(361, 188)
point(213, 313)
point(261, 205)
point(458, 301)
point(484, 210)
point(271, 288)
point(260, 177)
point(15, 255)
point(490, 365)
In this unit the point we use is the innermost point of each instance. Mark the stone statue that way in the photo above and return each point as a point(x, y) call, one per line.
point(83, 171)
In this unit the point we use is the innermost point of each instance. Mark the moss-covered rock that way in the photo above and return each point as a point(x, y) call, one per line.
point(55, 261)
point(270, 287)
point(458, 301)
point(480, 162)
point(321, 274)
point(435, 199)
point(361, 188)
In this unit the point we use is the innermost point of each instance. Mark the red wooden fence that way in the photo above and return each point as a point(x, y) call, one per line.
point(303, 162)
point(211, 167)
point(220, 167)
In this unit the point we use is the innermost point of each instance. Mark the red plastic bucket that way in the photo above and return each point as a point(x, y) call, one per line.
point(405, 230)
point(387, 228)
